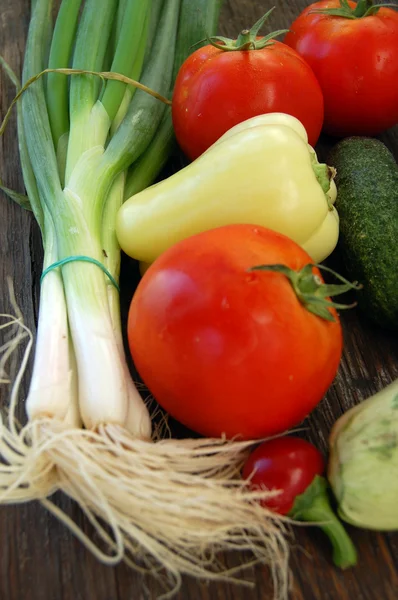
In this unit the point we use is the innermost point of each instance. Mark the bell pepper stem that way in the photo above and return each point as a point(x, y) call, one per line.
point(314, 506)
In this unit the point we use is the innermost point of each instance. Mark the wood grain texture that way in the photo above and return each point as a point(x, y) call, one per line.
point(41, 560)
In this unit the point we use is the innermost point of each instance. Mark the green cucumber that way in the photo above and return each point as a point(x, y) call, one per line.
point(367, 203)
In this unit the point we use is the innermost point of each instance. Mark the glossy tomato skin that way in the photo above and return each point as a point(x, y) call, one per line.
point(356, 63)
point(216, 90)
point(288, 464)
point(228, 350)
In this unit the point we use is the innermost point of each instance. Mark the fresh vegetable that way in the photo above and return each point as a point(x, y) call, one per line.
point(293, 468)
point(77, 138)
point(363, 463)
point(229, 346)
point(195, 23)
point(227, 82)
point(367, 180)
point(261, 172)
point(287, 464)
point(352, 49)
point(78, 169)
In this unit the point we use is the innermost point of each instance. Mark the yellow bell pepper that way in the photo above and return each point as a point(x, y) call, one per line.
point(261, 172)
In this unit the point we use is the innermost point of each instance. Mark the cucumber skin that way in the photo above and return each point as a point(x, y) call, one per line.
point(367, 203)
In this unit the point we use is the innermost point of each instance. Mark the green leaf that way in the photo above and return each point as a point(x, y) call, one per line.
point(247, 39)
point(313, 506)
point(20, 199)
point(363, 8)
point(11, 74)
point(311, 291)
point(305, 501)
point(257, 26)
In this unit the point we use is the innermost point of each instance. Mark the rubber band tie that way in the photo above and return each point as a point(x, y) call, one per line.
point(88, 259)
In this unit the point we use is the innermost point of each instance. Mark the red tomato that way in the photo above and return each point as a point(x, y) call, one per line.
point(228, 350)
point(216, 90)
point(288, 464)
point(356, 63)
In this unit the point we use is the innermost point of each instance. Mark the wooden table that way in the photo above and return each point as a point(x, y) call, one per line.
point(39, 559)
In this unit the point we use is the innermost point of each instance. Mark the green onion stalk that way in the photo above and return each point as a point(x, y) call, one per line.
point(86, 142)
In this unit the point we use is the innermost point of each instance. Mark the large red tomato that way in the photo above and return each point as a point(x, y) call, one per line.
point(216, 90)
point(225, 349)
point(356, 63)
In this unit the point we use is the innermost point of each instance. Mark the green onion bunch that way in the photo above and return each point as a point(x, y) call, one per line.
point(94, 129)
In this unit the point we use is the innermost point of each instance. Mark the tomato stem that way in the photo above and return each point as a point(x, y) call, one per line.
point(364, 8)
point(247, 39)
point(314, 506)
point(311, 291)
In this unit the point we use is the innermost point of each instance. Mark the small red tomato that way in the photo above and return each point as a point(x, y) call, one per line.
point(227, 349)
point(294, 467)
point(289, 464)
point(217, 89)
point(355, 60)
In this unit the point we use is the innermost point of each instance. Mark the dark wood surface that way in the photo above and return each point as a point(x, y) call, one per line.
point(39, 559)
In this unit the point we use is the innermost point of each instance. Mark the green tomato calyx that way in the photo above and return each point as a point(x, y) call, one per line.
point(311, 291)
point(314, 506)
point(247, 39)
point(364, 8)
